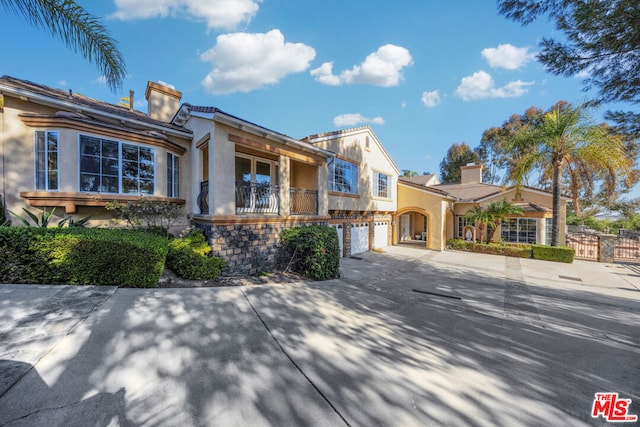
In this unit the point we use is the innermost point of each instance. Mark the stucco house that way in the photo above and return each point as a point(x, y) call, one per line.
point(240, 182)
point(436, 212)
point(362, 188)
point(64, 150)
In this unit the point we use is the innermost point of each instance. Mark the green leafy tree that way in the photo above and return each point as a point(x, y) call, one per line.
point(563, 136)
point(457, 155)
point(602, 41)
point(79, 30)
point(409, 173)
point(491, 216)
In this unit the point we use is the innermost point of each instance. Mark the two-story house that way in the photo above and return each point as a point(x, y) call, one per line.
point(362, 188)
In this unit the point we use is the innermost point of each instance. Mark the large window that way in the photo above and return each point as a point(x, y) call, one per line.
point(173, 175)
point(47, 177)
point(257, 189)
point(113, 167)
point(343, 176)
point(548, 225)
point(380, 185)
point(519, 230)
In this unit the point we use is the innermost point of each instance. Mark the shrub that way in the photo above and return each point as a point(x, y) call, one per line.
point(314, 251)
point(512, 250)
point(188, 258)
point(81, 256)
point(147, 215)
point(553, 253)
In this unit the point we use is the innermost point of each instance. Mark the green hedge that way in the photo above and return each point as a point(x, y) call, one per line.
point(553, 253)
point(81, 256)
point(512, 250)
point(188, 258)
point(314, 251)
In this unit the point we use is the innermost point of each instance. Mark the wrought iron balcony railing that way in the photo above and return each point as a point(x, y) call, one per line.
point(303, 202)
point(203, 198)
point(254, 197)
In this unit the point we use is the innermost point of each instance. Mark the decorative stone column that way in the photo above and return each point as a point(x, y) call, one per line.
point(606, 247)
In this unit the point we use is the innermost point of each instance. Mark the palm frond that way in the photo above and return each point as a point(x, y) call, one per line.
point(79, 30)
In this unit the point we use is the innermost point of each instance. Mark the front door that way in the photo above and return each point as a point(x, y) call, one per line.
point(405, 227)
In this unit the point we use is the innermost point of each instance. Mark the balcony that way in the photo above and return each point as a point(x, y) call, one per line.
point(254, 197)
point(303, 202)
point(203, 198)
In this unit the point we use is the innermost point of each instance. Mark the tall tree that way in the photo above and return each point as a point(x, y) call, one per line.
point(457, 155)
point(409, 173)
point(562, 136)
point(602, 41)
point(79, 30)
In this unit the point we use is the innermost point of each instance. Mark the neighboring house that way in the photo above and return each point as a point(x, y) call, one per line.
point(64, 150)
point(440, 209)
point(362, 188)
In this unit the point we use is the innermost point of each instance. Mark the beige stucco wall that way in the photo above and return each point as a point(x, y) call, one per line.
point(221, 163)
point(351, 146)
point(415, 200)
point(17, 144)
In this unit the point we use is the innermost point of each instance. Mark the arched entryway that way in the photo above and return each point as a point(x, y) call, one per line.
point(412, 226)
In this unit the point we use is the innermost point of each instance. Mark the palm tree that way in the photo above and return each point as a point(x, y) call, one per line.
point(492, 216)
point(80, 31)
point(562, 137)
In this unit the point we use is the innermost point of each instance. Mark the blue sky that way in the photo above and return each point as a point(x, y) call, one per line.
point(422, 74)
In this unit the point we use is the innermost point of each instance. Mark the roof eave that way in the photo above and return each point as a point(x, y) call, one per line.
point(53, 102)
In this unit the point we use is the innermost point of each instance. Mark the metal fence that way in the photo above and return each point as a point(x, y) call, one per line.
point(587, 246)
point(303, 202)
point(255, 197)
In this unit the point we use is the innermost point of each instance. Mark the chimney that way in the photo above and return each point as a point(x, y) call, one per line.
point(163, 101)
point(131, 100)
point(471, 174)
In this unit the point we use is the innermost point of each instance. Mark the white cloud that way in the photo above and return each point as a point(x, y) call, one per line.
point(62, 83)
point(381, 68)
point(101, 80)
point(431, 99)
point(480, 85)
point(507, 56)
point(216, 13)
point(243, 62)
point(354, 119)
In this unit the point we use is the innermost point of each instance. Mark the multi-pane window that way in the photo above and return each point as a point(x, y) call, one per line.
point(519, 230)
point(380, 184)
point(548, 224)
point(343, 176)
point(113, 167)
point(47, 177)
point(461, 223)
point(173, 175)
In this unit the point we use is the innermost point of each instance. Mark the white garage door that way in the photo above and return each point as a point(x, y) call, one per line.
point(340, 229)
point(381, 233)
point(359, 238)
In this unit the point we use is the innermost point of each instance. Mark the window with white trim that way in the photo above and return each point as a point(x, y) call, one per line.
point(380, 184)
point(46, 161)
point(173, 175)
point(461, 223)
point(343, 176)
point(113, 167)
point(519, 230)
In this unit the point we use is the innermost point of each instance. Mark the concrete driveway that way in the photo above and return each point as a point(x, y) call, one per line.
point(408, 337)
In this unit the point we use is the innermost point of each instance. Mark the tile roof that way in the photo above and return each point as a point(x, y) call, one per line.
point(470, 192)
point(422, 179)
point(67, 96)
point(429, 188)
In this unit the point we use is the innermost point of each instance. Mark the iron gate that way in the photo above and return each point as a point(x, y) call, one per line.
point(585, 245)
